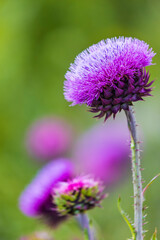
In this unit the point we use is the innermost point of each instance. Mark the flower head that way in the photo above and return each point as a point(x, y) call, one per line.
point(103, 151)
point(36, 200)
point(78, 195)
point(110, 75)
point(48, 138)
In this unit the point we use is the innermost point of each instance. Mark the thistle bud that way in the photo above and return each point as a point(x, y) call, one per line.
point(77, 196)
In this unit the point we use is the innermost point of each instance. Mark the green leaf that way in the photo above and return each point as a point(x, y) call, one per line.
point(86, 237)
point(127, 220)
point(152, 180)
point(154, 236)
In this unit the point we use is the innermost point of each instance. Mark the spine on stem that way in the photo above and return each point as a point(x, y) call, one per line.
point(136, 174)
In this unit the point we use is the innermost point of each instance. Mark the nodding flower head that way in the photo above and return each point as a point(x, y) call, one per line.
point(110, 75)
point(36, 200)
point(77, 196)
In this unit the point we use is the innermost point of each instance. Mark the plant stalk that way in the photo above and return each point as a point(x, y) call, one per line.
point(136, 173)
point(84, 222)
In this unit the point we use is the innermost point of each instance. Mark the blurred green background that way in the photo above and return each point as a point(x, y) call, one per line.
point(38, 41)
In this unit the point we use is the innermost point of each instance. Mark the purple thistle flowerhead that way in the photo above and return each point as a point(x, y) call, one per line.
point(77, 196)
point(48, 137)
point(103, 151)
point(110, 75)
point(36, 200)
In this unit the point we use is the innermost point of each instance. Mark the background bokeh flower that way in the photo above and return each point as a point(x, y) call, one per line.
point(36, 200)
point(103, 151)
point(48, 137)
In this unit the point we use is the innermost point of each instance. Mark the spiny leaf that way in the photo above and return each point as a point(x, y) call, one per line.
point(152, 180)
point(127, 220)
point(154, 236)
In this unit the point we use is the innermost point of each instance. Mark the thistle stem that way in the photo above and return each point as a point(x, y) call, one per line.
point(84, 222)
point(136, 173)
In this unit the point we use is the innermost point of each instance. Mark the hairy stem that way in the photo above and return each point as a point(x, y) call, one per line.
point(136, 173)
point(84, 222)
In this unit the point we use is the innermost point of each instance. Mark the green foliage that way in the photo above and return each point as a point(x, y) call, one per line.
point(127, 220)
point(154, 236)
point(150, 182)
point(86, 237)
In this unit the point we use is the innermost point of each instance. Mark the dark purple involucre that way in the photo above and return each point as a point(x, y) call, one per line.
point(110, 75)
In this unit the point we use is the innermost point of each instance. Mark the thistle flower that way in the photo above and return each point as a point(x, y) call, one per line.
point(77, 196)
point(48, 138)
point(110, 75)
point(103, 151)
point(36, 200)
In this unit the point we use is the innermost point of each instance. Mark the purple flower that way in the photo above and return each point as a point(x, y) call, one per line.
point(77, 196)
point(110, 75)
point(48, 138)
point(103, 152)
point(36, 200)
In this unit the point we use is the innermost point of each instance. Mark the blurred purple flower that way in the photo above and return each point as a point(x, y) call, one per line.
point(103, 151)
point(48, 138)
point(110, 75)
point(36, 200)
